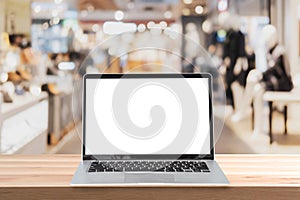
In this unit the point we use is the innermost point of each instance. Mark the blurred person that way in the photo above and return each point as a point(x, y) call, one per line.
point(34, 62)
point(55, 60)
point(276, 78)
point(192, 42)
point(234, 48)
point(27, 62)
point(15, 40)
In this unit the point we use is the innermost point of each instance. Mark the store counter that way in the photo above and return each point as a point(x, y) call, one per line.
point(24, 124)
point(250, 176)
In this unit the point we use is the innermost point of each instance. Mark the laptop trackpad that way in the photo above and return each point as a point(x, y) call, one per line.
point(149, 178)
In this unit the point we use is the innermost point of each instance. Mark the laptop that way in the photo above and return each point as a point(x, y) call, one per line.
point(148, 129)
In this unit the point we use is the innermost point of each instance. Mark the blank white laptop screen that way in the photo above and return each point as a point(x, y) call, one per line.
point(127, 116)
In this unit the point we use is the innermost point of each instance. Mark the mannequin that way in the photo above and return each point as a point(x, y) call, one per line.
point(275, 78)
point(192, 41)
point(191, 47)
point(234, 48)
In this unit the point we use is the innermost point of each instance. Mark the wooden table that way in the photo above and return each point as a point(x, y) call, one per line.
point(250, 176)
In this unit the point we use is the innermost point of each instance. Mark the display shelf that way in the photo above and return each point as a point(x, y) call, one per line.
point(24, 124)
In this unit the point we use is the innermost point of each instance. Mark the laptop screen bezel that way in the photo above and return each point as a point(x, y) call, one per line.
point(209, 156)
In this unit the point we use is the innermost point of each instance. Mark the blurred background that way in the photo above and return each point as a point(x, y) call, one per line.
point(46, 47)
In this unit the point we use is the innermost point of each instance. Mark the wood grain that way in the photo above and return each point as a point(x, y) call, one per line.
point(250, 176)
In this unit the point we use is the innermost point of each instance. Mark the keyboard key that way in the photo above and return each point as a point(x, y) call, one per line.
point(92, 170)
point(118, 169)
point(197, 170)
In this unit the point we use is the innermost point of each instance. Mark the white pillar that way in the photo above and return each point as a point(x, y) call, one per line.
point(2, 15)
point(291, 33)
point(2, 24)
point(277, 17)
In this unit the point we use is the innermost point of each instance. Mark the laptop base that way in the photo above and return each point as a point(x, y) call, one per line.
point(83, 178)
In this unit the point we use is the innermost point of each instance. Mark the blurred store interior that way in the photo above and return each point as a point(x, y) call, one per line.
point(251, 47)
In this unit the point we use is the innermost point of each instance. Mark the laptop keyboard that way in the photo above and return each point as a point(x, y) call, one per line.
point(148, 166)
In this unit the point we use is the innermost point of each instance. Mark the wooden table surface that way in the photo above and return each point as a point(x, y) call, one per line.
point(250, 176)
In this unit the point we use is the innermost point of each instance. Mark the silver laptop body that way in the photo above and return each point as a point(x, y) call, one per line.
point(104, 162)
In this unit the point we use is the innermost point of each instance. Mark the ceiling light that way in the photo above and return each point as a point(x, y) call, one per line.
point(150, 24)
point(66, 66)
point(119, 15)
point(188, 1)
point(115, 28)
point(141, 28)
point(199, 9)
point(222, 5)
point(45, 25)
point(55, 20)
point(163, 24)
point(186, 11)
point(168, 14)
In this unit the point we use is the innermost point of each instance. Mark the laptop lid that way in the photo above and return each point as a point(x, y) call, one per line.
point(147, 116)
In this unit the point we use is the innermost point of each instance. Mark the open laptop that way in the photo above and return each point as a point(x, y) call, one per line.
point(149, 129)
